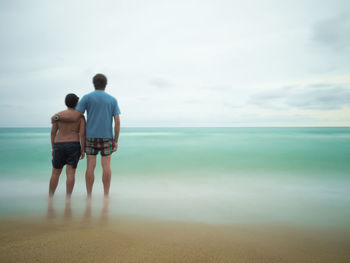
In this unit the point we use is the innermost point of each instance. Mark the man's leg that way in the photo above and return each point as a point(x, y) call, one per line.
point(89, 175)
point(107, 173)
point(55, 176)
point(70, 172)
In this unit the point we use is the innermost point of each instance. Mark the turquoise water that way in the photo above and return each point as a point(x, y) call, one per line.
point(274, 175)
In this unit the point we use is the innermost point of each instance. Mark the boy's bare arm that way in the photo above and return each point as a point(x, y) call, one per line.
point(116, 132)
point(82, 136)
point(54, 129)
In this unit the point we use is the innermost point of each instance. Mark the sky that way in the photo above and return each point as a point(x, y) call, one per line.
point(179, 63)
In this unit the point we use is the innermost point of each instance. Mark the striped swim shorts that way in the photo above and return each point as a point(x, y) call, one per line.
point(94, 145)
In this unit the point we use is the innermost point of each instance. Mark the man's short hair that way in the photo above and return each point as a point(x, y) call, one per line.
point(100, 81)
point(71, 100)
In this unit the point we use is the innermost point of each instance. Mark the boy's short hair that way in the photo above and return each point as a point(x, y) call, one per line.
point(100, 81)
point(71, 100)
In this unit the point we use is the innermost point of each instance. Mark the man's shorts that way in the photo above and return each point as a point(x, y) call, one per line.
point(66, 153)
point(94, 145)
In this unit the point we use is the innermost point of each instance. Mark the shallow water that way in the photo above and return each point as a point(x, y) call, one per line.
point(227, 175)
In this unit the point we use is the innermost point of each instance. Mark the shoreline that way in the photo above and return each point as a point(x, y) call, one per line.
point(124, 239)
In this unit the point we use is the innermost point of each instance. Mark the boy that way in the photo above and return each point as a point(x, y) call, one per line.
point(66, 148)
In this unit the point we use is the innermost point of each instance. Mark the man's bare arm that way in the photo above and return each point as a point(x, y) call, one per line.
point(82, 136)
point(54, 129)
point(67, 116)
point(116, 131)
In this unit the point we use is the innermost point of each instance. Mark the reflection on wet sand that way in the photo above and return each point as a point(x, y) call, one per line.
point(68, 211)
point(51, 214)
point(87, 213)
point(105, 210)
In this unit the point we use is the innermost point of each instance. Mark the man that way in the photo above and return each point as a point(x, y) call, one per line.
point(101, 109)
point(66, 148)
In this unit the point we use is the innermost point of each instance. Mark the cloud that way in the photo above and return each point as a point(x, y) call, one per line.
point(333, 33)
point(319, 96)
point(160, 83)
point(199, 68)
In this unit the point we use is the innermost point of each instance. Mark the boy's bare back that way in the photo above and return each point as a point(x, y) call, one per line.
point(70, 131)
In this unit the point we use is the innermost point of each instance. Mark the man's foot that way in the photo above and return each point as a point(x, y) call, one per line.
point(106, 198)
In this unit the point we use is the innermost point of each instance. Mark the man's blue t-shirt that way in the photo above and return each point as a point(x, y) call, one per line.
point(101, 108)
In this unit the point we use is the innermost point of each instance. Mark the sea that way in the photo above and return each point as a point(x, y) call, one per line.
point(266, 175)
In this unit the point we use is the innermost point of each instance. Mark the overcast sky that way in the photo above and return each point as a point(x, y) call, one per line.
point(179, 63)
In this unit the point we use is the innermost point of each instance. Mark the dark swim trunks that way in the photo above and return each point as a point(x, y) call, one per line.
point(66, 153)
point(94, 145)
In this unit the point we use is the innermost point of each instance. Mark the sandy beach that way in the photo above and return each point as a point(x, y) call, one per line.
point(136, 240)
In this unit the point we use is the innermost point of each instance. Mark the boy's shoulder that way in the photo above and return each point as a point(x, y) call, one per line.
point(68, 115)
point(54, 117)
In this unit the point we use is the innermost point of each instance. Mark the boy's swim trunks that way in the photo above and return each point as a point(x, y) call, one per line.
point(66, 153)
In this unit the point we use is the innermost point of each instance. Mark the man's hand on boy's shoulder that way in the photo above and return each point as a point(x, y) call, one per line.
point(55, 117)
point(66, 116)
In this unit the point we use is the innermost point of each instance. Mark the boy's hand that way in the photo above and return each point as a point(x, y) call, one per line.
point(82, 155)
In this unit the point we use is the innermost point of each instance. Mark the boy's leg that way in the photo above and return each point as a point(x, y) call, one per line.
point(70, 172)
point(107, 173)
point(55, 176)
point(89, 175)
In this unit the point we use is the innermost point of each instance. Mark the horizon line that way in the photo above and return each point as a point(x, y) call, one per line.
point(262, 126)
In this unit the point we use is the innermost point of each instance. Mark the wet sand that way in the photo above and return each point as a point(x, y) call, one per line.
point(143, 240)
